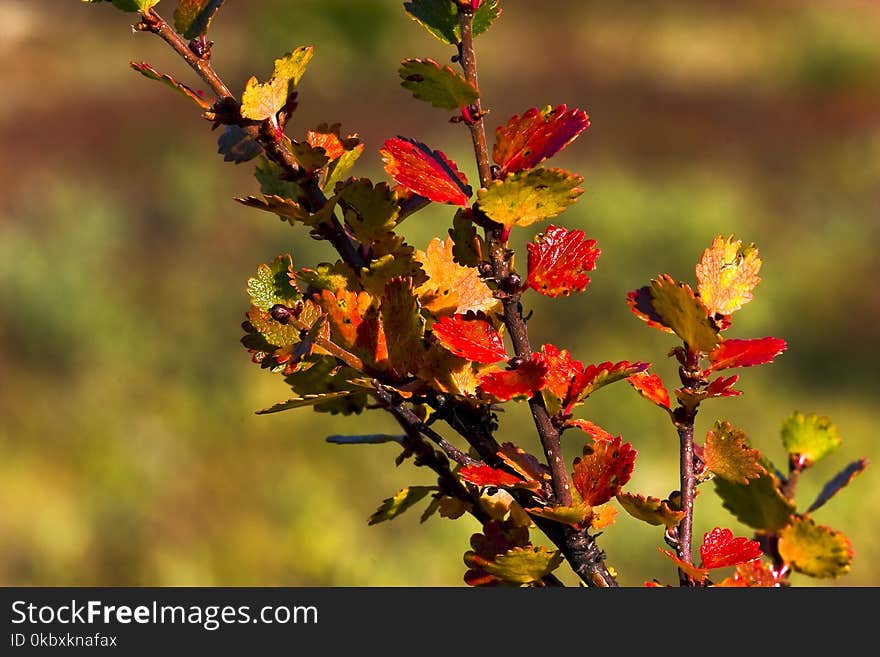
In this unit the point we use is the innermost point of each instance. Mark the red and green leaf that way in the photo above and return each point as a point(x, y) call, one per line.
point(521, 380)
point(651, 387)
point(470, 336)
point(745, 353)
point(425, 172)
point(529, 196)
point(527, 140)
point(673, 306)
point(559, 261)
point(603, 470)
point(598, 376)
point(720, 549)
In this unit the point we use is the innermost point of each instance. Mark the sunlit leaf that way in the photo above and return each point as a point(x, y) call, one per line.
point(370, 211)
point(651, 510)
point(727, 273)
point(527, 140)
point(355, 325)
point(650, 386)
point(603, 470)
point(484, 475)
point(450, 288)
point(152, 74)
point(592, 429)
point(720, 549)
point(440, 18)
point(838, 482)
point(400, 502)
point(530, 196)
point(521, 380)
point(758, 504)
point(745, 353)
point(559, 261)
point(439, 85)
point(261, 101)
point(811, 437)
point(445, 372)
point(193, 17)
point(426, 172)
point(520, 565)
point(594, 377)
point(577, 515)
point(674, 306)
point(274, 284)
point(470, 336)
point(727, 453)
point(815, 550)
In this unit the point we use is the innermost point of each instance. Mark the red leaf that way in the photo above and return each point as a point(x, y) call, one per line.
point(485, 475)
point(594, 377)
point(722, 387)
point(603, 470)
point(720, 549)
point(523, 380)
point(559, 260)
point(563, 369)
point(745, 353)
point(470, 336)
point(424, 171)
point(650, 386)
point(529, 139)
point(593, 430)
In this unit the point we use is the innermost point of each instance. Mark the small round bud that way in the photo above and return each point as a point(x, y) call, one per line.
point(512, 284)
point(280, 313)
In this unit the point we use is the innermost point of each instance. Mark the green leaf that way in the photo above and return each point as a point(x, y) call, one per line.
point(274, 284)
point(651, 510)
point(326, 276)
point(130, 5)
point(838, 482)
point(310, 159)
point(326, 377)
point(530, 196)
point(369, 211)
point(683, 312)
point(341, 166)
point(268, 174)
point(299, 402)
point(400, 502)
point(758, 504)
point(727, 453)
point(468, 247)
point(440, 18)
point(261, 101)
point(815, 550)
point(439, 85)
point(193, 17)
point(403, 325)
point(811, 437)
point(152, 74)
point(523, 565)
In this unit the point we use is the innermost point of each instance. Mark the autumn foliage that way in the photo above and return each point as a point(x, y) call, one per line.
point(434, 334)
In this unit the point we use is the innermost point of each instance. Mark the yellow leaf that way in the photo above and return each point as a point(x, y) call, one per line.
point(451, 288)
point(727, 274)
point(727, 453)
point(680, 310)
point(815, 550)
point(261, 101)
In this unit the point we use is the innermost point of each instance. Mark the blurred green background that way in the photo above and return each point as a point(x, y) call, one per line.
point(129, 451)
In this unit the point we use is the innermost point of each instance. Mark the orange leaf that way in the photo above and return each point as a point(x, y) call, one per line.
point(451, 288)
point(603, 470)
point(559, 260)
point(650, 386)
point(522, 380)
point(727, 273)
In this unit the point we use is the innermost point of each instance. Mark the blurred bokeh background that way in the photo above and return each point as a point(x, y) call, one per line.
point(129, 451)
